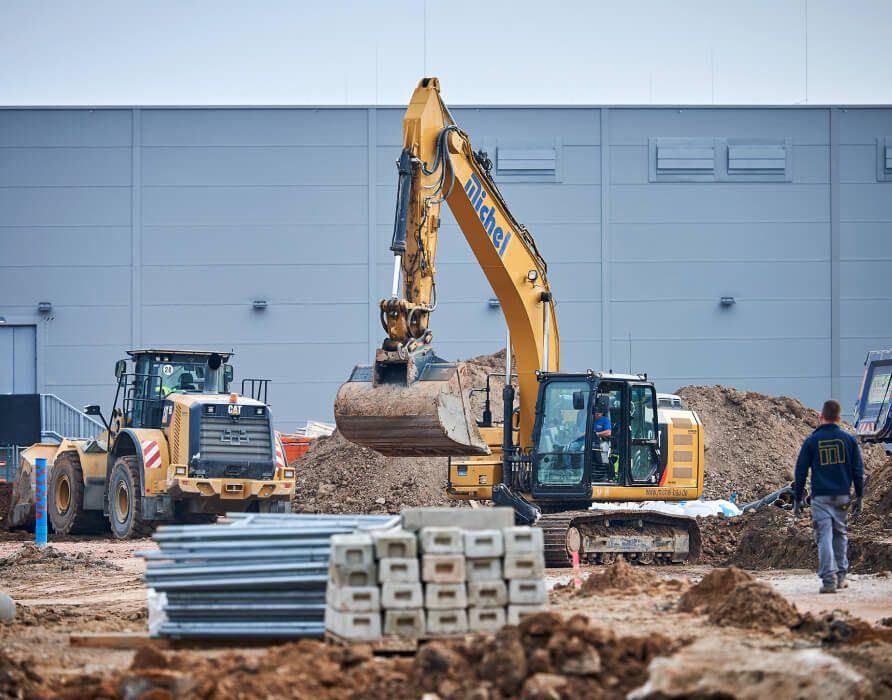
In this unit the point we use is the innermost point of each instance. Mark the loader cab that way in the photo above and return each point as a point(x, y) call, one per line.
point(159, 374)
point(568, 460)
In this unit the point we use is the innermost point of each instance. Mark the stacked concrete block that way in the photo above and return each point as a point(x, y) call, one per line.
point(435, 579)
point(402, 595)
point(353, 599)
point(443, 572)
point(524, 567)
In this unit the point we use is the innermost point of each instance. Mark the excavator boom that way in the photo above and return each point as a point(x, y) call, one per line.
point(411, 402)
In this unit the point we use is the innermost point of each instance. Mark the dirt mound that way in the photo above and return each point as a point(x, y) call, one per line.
point(756, 605)
point(338, 476)
point(30, 555)
point(85, 617)
point(733, 597)
point(877, 498)
point(718, 537)
point(544, 657)
point(5, 496)
point(840, 627)
point(713, 590)
point(475, 372)
point(621, 578)
point(18, 679)
point(752, 440)
point(771, 538)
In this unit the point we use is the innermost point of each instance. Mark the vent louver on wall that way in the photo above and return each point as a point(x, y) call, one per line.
point(757, 158)
point(884, 159)
point(683, 159)
point(527, 162)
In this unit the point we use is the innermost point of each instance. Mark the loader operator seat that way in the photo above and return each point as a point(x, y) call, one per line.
point(187, 382)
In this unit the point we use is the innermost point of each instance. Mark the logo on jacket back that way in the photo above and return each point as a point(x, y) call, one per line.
point(831, 452)
point(486, 212)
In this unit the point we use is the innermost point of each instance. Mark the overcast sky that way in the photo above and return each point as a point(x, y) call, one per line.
point(207, 52)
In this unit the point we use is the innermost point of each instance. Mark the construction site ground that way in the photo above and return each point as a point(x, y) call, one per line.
point(726, 632)
point(93, 585)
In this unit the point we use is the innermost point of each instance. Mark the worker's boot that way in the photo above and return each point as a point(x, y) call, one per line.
point(841, 581)
point(828, 587)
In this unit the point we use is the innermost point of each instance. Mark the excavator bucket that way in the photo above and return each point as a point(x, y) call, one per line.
point(407, 408)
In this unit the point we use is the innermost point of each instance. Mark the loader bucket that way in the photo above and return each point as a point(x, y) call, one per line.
point(429, 415)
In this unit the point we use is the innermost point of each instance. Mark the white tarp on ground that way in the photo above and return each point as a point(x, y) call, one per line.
point(698, 509)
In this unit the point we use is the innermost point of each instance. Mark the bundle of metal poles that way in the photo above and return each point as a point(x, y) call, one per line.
point(251, 575)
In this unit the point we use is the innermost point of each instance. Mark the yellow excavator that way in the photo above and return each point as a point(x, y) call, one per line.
point(546, 460)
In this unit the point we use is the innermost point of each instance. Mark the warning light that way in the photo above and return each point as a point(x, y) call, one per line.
point(233, 398)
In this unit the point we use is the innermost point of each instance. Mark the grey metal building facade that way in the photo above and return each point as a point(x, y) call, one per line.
point(152, 227)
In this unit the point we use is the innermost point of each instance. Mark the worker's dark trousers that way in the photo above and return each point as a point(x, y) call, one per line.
point(828, 516)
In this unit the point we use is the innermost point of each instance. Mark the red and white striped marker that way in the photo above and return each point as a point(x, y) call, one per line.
point(151, 454)
point(280, 458)
point(577, 580)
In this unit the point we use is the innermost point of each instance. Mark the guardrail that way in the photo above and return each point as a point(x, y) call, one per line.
point(59, 419)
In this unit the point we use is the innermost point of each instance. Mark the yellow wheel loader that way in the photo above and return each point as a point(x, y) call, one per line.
point(547, 460)
point(178, 447)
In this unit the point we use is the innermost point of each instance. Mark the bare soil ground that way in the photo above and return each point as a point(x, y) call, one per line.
point(600, 643)
point(693, 631)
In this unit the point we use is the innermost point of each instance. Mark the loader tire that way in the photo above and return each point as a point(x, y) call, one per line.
point(65, 498)
point(124, 498)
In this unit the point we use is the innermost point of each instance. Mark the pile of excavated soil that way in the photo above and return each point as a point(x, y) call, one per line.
point(19, 680)
point(5, 496)
point(475, 372)
point(733, 597)
point(752, 440)
point(771, 538)
point(719, 537)
point(756, 605)
point(621, 578)
point(544, 657)
point(877, 498)
point(712, 590)
point(839, 627)
point(30, 556)
point(338, 476)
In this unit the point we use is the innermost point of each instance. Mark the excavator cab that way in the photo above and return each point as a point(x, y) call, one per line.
point(569, 459)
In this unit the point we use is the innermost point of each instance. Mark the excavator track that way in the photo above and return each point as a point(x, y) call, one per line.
point(645, 537)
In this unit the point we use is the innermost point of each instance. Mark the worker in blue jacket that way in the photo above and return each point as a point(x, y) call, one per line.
point(834, 458)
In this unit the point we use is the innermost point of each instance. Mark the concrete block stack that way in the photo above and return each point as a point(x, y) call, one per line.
point(440, 574)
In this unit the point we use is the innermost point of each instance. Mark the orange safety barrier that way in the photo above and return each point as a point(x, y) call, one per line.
point(295, 446)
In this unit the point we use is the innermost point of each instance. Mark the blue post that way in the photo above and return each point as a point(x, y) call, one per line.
point(40, 501)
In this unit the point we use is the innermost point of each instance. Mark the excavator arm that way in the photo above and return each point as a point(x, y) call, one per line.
point(411, 402)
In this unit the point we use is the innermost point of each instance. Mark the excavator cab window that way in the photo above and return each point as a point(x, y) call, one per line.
point(645, 459)
point(561, 444)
